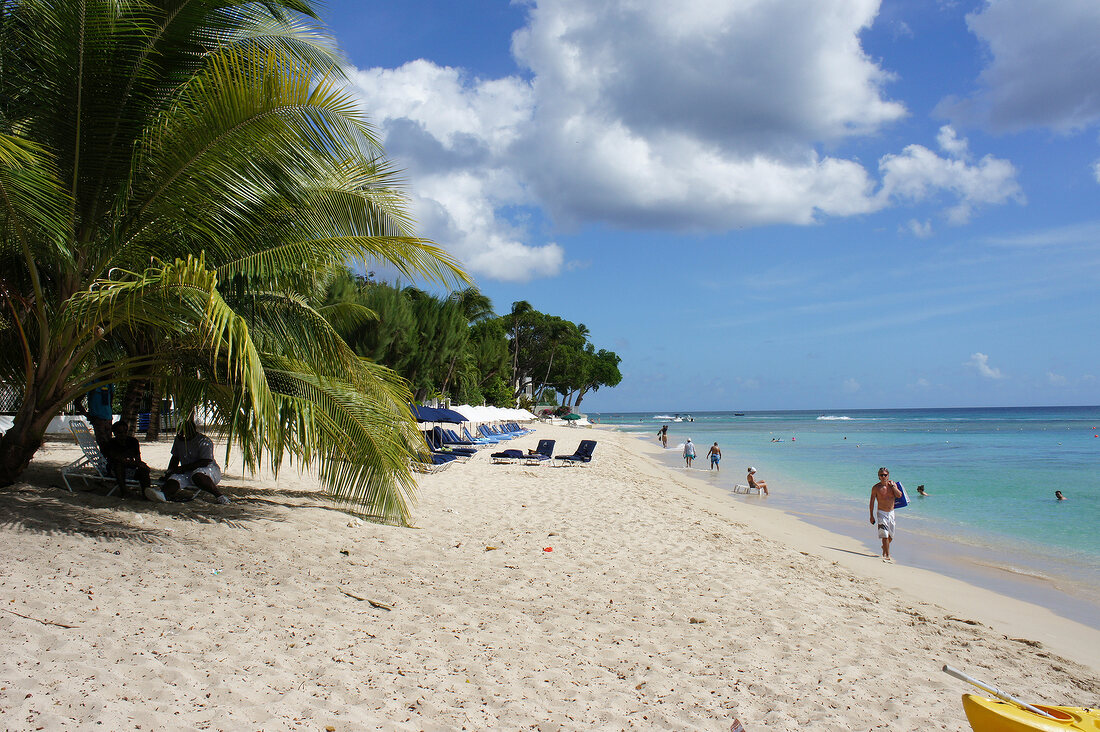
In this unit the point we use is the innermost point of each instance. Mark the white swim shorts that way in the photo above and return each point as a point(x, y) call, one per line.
point(211, 471)
point(886, 525)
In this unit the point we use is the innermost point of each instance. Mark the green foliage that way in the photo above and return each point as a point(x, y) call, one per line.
point(498, 393)
point(453, 347)
point(178, 181)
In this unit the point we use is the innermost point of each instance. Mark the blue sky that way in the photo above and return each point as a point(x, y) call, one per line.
point(813, 204)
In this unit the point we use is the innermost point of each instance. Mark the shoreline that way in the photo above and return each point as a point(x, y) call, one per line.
point(977, 564)
point(1072, 638)
point(618, 595)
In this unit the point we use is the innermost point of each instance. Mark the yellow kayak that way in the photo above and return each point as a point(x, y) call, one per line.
point(993, 715)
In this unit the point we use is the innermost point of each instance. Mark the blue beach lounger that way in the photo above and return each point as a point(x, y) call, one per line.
point(507, 456)
point(582, 456)
point(542, 454)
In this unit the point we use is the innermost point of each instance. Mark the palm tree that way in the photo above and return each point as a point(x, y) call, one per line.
point(475, 307)
point(193, 169)
point(519, 309)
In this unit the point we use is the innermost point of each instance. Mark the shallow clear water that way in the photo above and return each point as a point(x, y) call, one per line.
point(990, 473)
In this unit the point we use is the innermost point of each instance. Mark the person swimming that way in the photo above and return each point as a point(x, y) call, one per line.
point(920, 491)
point(1058, 496)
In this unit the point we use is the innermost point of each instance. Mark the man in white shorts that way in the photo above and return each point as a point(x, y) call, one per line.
point(881, 507)
point(191, 469)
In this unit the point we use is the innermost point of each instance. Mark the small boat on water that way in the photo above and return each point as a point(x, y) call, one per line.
point(994, 715)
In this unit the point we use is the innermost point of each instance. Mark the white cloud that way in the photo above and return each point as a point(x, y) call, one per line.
point(1096, 170)
point(919, 229)
point(704, 119)
point(1056, 379)
point(1042, 67)
point(453, 135)
point(952, 144)
point(919, 173)
point(850, 386)
point(980, 361)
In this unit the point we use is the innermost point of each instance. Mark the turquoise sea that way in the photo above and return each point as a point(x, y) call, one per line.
point(990, 518)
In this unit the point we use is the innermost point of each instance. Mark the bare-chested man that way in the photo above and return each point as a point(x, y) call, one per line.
point(881, 507)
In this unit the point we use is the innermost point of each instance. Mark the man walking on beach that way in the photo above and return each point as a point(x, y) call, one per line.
point(715, 455)
point(689, 452)
point(662, 435)
point(881, 507)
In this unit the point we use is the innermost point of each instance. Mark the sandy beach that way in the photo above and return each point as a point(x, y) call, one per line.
point(621, 595)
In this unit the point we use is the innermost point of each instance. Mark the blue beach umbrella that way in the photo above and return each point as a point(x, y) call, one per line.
point(448, 415)
point(431, 414)
point(424, 414)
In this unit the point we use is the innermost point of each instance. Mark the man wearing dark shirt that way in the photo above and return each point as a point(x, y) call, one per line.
point(123, 453)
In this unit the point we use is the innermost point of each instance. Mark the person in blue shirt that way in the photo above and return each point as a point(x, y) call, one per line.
point(99, 409)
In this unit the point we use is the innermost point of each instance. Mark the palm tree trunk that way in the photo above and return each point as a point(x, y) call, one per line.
point(542, 389)
point(152, 434)
point(21, 442)
point(135, 390)
point(450, 372)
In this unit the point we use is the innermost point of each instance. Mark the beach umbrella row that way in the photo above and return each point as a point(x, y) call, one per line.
point(493, 414)
point(466, 413)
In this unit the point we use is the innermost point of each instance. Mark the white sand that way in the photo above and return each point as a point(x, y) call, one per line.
point(198, 616)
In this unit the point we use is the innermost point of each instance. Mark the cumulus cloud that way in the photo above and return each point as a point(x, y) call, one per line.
point(1096, 170)
point(453, 135)
point(704, 119)
point(918, 173)
point(850, 386)
point(919, 229)
point(980, 362)
point(1042, 66)
point(1056, 379)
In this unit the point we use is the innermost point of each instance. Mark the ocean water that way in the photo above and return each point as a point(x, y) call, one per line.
point(990, 517)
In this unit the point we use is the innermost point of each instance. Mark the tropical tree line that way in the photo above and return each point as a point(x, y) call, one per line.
point(455, 347)
point(181, 186)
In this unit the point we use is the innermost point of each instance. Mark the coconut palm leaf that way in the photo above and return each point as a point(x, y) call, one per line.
point(176, 178)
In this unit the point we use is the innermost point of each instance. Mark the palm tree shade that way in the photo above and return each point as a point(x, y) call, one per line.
point(177, 180)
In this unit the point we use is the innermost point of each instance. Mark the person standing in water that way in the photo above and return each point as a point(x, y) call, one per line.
point(689, 452)
point(881, 507)
point(715, 455)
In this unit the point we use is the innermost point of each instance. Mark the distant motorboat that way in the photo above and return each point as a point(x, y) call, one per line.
point(738, 414)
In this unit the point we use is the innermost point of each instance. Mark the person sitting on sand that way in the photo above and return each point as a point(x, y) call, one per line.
point(123, 452)
point(920, 491)
point(715, 455)
point(192, 467)
point(1058, 496)
point(881, 507)
point(689, 452)
point(754, 484)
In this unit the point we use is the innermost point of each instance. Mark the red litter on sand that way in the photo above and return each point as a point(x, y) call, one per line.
point(548, 549)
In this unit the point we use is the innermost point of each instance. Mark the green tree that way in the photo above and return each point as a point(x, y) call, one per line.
point(193, 169)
